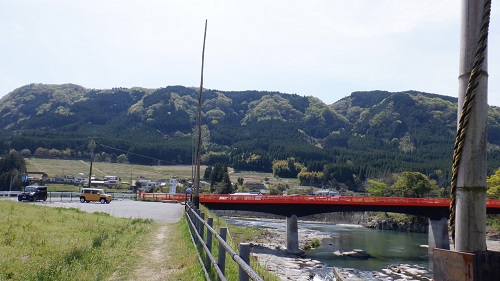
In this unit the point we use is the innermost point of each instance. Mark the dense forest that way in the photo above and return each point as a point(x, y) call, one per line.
point(364, 135)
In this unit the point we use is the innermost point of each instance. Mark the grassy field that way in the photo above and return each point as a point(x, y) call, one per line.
point(42, 243)
point(46, 243)
point(128, 172)
point(77, 188)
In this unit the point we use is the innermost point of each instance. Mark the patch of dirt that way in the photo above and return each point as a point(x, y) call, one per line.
point(493, 235)
point(154, 259)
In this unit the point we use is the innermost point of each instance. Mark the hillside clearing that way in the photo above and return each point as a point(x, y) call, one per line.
point(100, 169)
point(129, 172)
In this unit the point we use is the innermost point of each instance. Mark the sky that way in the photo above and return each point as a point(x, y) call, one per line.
point(322, 48)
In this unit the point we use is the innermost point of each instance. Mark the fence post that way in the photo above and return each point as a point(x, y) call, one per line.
point(201, 231)
point(222, 252)
point(50, 196)
point(245, 256)
point(190, 214)
point(196, 224)
point(210, 222)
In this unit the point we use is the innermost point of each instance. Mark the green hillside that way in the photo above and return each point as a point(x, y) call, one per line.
point(367, 134)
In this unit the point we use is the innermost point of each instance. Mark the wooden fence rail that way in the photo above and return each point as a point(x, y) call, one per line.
point(197, 225)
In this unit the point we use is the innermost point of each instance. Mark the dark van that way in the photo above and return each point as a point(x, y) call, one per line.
point(32, 193)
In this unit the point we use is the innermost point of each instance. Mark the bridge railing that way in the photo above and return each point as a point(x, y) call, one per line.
point(197, 224)
point(308, 199)
point(180, 197)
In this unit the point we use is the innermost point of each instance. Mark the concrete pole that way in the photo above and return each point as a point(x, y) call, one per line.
point(292, 236)
point(92, 147)
point(438, 234)
point(470, 225)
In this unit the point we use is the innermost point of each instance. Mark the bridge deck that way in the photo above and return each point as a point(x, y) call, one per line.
point(309, 205)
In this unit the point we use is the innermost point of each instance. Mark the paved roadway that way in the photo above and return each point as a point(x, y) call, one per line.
point(160, 212)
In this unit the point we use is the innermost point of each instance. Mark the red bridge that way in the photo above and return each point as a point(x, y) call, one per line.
point(288, 205)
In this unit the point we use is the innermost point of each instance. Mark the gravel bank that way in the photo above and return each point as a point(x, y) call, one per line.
point(273, 256)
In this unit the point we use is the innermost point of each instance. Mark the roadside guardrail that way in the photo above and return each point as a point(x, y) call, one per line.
point(9, 193)
point(69, 195)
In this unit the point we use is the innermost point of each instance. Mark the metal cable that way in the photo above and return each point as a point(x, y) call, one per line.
point(470, 95)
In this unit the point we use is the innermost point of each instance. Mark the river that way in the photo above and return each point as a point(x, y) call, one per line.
point(388, 247)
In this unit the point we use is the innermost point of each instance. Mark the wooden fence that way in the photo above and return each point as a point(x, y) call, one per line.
point(197, 226)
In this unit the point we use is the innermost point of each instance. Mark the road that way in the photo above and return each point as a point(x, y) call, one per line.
point(160, 212)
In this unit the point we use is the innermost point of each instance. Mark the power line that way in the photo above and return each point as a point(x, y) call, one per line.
point(140, 155)
point(107, 146)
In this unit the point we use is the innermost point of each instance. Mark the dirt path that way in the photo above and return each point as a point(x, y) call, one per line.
point(154, 260)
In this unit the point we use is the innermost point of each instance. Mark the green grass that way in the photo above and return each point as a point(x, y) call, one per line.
point(185, 257)
point(49, 243)
point(129, 172)
point(63, 187)
point(43, 243)
point(126, 172)
point(78, 188)
point(235, 236)
point(493, 223)
point(180, 261)
point(315, 243)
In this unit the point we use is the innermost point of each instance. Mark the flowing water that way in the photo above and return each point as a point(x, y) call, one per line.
point(388, 247)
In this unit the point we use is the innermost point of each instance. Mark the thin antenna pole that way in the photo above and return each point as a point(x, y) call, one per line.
point(196, 197)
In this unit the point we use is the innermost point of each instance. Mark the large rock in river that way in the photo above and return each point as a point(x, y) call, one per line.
point(356, 253)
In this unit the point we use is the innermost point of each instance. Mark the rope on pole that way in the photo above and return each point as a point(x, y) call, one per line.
point(470, 95)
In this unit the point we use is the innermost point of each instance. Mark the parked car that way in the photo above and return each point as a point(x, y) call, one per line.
point(32, 193)
point(94, 194)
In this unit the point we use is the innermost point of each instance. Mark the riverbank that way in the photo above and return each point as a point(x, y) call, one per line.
point(272, 255)
point(270, 252)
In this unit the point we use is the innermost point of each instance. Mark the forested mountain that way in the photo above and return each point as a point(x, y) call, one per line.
point(366, 134)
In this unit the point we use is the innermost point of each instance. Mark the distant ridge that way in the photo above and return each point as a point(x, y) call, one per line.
point(367, 134)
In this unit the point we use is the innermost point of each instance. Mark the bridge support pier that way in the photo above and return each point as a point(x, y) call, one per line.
point(438, 234)
point(292, 236)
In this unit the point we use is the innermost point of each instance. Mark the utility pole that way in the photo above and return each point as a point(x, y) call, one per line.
point(196, 197)
point(91, 147)
point(471, 178)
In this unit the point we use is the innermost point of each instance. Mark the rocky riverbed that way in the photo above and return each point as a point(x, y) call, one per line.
point(273, 256)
